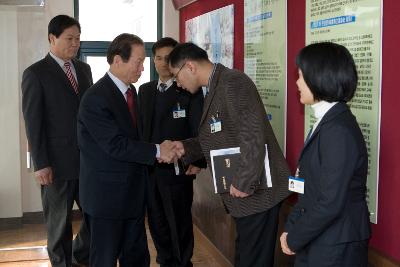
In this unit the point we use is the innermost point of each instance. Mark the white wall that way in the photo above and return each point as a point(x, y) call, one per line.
point(10, 182)
point(170, 20)
point(23, 41)
point(33, 46)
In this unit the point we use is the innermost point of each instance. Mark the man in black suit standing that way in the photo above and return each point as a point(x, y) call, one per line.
point(114, 172)
point(169, 113)
point(51, 91)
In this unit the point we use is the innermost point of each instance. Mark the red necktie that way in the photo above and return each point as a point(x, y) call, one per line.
point(131, 104)
point(71, 77)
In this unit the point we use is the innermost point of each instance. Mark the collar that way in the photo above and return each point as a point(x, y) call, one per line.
point(321, 108)
point(207, 89)
point(60, 61)
point(120, 84)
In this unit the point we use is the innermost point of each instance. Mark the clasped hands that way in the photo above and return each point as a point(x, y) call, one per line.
point(171, 151)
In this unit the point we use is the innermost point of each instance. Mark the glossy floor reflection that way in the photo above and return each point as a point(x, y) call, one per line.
point(25, 247)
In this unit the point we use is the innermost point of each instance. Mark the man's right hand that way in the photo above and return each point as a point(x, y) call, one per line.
point(44, 176)
point(167, 152)
point(179, 148)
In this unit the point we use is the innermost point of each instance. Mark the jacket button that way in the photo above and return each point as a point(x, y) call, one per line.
point(302, 210)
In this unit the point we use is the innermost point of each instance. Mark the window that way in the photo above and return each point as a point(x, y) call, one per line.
point(102, 20)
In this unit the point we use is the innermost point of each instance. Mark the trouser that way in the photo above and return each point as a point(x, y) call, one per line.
point(118, 239)
point(352, 254)
point(256, 238)
point(170, 221)
point(58, 200)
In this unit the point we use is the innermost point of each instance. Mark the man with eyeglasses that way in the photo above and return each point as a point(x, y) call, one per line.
point(234, 116)
point(168, 112)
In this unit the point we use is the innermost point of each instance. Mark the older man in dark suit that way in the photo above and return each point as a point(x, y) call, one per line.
point(51, 91)
point(113, 160)
point(234, 116)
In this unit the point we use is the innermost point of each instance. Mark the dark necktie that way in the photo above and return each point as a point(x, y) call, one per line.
point(71, 77)
point(130, 100)
point(162, 87)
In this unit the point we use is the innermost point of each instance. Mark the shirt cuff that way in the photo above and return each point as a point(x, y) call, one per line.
point(158, 154)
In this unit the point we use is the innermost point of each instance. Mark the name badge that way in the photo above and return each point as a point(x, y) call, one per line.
point(178, 112)
point(215, 125)
point(296, 184)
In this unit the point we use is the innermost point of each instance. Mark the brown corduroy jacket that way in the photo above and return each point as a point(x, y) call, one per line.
point(234, 99)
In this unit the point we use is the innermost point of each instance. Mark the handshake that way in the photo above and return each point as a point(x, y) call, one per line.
point(171, 151)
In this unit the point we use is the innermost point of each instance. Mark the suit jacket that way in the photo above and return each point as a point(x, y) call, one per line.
point(234, 98)
point(334, 165)
point(170, 128)
point(112, 177)
point(50, 108)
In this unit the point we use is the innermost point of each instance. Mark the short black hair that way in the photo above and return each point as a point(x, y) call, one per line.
point(329, 71)
point(122, 46)
point(163, 42)
point(58, 24)
point(186, 51)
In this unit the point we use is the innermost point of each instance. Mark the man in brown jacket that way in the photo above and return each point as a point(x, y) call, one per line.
point(234, 116)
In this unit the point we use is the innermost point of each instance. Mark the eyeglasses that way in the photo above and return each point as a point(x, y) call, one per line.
point(176, 75)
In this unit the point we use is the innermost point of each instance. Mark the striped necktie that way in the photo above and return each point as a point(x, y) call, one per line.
point(162, 87)
point(71, 77)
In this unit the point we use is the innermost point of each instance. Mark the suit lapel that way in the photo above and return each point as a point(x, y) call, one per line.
point(211, 92)
point(117, 97)
point(81, 77)
point(148, 105)
point(58, 71)
point(330, 115)
point(135, 99)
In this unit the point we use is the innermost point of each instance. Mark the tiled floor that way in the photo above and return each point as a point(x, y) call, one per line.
point(25, 247)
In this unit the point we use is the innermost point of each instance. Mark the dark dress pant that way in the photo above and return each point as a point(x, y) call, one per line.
point(353, 254)
point(118, 239)
point(170, 221)
point(256, 238)
point(58, 200)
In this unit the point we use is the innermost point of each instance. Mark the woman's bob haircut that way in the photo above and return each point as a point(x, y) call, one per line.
point(329, 71)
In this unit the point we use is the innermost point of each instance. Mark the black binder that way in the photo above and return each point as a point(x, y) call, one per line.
point(225, 167)
point(224, 164)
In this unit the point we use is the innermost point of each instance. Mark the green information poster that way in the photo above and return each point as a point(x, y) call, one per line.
point(355, 24)
point(265, 58)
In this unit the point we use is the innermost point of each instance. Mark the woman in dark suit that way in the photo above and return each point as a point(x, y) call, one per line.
point(329, 226)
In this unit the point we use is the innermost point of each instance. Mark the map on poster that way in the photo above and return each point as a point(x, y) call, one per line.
point(213, 32)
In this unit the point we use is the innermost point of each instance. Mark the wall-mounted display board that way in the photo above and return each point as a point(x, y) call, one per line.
point(213, 31)
point(265, 35)
point(356, 24)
